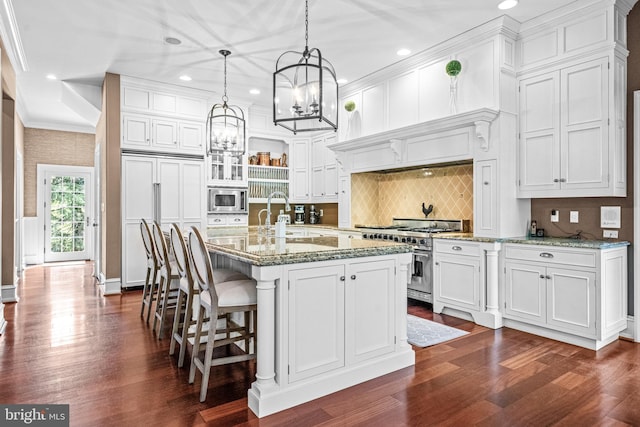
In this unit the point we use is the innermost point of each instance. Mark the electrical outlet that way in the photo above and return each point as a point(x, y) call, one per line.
point(573, 216)
point(610, 234)
point(555, 215)
point(321, 212)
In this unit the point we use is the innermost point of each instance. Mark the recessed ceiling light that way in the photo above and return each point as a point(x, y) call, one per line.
point(172, 40)
point(52, 77)
point(403, 52)
point(254, 91)
point(185, 78)
point(507, 4)
point(342, 81)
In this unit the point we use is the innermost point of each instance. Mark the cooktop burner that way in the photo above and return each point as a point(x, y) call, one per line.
point(416, 231)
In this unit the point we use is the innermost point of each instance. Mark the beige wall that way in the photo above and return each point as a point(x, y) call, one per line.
point(378, 198)
point(108, 139)
point(8, 191)
point(52, 147)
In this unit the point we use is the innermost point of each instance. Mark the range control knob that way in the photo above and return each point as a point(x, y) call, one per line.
point(396, 239)
point(423, 241)
point(413, 240)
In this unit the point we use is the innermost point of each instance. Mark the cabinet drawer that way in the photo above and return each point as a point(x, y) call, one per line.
point(456, 247)
point(552, 255)
point(238, 220)
point(217, 220)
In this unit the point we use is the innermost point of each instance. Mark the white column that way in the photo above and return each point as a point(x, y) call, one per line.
point(493, 302)
point(403, 278)
point(265, 369)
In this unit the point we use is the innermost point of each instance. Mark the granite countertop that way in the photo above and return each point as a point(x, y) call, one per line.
point(542, 241)
point(246, 244)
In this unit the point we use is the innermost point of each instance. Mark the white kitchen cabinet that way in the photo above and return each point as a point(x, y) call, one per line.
point(225, 169)
point(162, 189)
point(154, 98)
point(225, 220)
point(299, 169)
point(324, 170)
point(577, 295)
point(456, 275)
point(466, 280)
point(344, 201)
point(566, 144)
point(149, 133)
point(340, 314)
point(485, 198)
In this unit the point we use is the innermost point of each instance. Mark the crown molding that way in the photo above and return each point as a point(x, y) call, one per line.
point(11, 37)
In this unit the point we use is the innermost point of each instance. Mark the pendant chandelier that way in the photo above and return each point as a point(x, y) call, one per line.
point(305, 90)
point(225, 123)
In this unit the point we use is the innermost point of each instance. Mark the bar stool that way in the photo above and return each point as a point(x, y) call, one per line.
point(238, 296)
point(183, 319)
point(153, 267)
point(169, 280)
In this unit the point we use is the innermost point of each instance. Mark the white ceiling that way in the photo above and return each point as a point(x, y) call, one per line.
point(80, 40)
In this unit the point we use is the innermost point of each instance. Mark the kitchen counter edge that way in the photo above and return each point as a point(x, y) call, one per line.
point(541, 241)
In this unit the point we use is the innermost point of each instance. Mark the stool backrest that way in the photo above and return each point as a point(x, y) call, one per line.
point(179, 248)
point(202, 269)
point(147, 240)
point(161, 246)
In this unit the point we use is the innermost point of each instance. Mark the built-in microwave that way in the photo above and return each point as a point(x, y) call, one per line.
point(227, 200)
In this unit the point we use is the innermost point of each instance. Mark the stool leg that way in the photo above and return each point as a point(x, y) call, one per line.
point(176, 322)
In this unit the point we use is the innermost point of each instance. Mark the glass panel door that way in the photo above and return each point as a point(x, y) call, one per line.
point(68, 207)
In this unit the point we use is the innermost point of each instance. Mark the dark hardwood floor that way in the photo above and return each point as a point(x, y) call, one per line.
point(67, 344)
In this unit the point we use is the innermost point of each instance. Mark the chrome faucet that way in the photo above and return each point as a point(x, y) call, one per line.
point(287, 207)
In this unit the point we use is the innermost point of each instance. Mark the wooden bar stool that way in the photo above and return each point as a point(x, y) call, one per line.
point(183, 320)
point(220, 299)
point(153, 268)
point(169, 280)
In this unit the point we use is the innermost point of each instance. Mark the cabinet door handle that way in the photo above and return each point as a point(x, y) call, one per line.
point(217, 220)
point(542, 276)
point(237, 219)
point(353, 277)
point(549, 277)
point(437, 263)
point(563, 180)
point(546, 255)
point(342, 278)
point(556, 180)
point(486, 183)
point(456, 248)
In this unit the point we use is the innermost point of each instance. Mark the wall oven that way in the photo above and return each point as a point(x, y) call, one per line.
point(227, 200)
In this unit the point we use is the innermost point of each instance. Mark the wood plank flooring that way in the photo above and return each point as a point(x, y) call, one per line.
point(67, 344)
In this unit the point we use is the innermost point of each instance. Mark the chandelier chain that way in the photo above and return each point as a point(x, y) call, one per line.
point(306, 24)
point(224, 97)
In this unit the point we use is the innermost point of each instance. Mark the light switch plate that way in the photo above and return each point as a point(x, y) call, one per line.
point(555, 215)
point(573, 216)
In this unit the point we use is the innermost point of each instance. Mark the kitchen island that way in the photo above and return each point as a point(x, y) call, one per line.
point(332, 311)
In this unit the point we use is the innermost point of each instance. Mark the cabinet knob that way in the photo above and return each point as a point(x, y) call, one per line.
point(437, 263)
point(217, 220)
point(353, 277)
point(175, 142)
point(542, 276)
point(486, 183)
point(549, 277)
point(563, 180)
point(237, 219)
point(556, 180)
point(342, 278)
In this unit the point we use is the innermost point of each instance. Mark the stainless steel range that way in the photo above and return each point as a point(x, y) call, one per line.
point(417, 232)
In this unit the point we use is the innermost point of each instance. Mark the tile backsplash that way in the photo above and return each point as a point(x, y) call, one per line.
point(376, 198)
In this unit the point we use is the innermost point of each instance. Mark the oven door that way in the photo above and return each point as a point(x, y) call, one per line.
point(421, 271)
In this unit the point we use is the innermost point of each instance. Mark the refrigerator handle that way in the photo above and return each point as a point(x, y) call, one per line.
point(156, 202)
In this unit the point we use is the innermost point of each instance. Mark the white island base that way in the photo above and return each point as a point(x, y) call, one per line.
point(327, 319)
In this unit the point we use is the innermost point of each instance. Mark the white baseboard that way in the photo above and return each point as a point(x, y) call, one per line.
point(3, 322)
point(628, 333)
point(8, 293)
point(110, 286)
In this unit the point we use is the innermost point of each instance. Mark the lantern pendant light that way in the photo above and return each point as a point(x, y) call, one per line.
point(225, 123)
point(305, 90)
